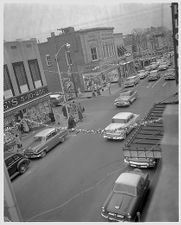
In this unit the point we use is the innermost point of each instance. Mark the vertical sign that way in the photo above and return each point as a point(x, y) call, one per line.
point(174, 8)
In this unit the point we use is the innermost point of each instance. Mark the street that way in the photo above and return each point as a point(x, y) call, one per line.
point(72, 182)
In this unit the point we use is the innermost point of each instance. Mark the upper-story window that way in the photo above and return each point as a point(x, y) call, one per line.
point(8, 88)
point(35, 73)
point(94, 53)
point(48, 60)
point(21, 77)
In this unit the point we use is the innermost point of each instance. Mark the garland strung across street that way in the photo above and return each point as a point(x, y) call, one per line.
point(86, 131)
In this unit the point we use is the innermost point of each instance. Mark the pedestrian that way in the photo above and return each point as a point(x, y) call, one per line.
point(109, 88)
point(18, 142)
point(71, 122)
point(80, 115)
point(64, 111)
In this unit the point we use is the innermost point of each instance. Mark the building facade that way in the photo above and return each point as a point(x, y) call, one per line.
point(26, 99)
point(93, 57)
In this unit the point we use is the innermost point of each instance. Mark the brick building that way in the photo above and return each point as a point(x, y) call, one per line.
point(92, 52)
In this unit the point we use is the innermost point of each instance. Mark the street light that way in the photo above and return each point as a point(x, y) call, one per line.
point(60, 77)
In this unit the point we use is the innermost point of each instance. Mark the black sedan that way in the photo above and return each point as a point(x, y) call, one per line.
point(127, 197)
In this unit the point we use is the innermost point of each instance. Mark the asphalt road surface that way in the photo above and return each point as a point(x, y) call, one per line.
point(72, 182)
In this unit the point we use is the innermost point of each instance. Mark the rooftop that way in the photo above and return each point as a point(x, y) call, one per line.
point(122, 115)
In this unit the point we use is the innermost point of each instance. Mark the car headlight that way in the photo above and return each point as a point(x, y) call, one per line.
point(128, 216)
point(103, 209)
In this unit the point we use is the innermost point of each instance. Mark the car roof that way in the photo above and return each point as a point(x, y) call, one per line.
point(44, 132)
point(122, 115)
point(128, 178)
point(55, 95)
point(154, 71)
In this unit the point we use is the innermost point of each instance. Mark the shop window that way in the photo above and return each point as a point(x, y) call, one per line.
point(35, 73)
point(8, 88)
point(21, 77)
point(94, 53)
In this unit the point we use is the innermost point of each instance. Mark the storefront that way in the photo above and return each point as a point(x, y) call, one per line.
point(26, 112)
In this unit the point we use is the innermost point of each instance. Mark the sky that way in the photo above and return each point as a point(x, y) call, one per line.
point(39, 19)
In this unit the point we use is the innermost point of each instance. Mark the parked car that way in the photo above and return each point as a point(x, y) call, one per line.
point(122, 124)
point(142, 74)
point(56, 99)
point(127, 197)
point(154, 75)
point(44, 141)
point(163, 67)
point(148, 68)
point(154, 65)
point(126, 98)
point(16, 163)
point(170, 74)
point(131, 81)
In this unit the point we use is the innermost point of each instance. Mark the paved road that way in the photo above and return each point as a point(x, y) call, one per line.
point(73, 180)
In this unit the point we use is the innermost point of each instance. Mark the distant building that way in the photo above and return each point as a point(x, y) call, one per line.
point(92, 52)
point(25, 88)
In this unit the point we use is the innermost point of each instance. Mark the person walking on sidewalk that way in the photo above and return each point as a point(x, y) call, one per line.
point(18, 143)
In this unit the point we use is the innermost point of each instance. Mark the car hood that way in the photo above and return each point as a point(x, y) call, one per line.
point(114, 126)
point(33, 146)
point(120, 203)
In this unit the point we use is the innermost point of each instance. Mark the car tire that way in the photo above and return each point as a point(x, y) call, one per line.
point(23, 168)
point(43, 154)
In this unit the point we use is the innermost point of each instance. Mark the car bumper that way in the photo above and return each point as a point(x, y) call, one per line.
point(109, 217)
point(140, 164)
point(31, 156)
point(113, 137)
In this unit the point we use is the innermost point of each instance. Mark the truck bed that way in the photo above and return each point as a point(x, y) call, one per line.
point(145, 140)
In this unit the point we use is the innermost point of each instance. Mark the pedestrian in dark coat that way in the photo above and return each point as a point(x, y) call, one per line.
point(64, 111)
point(18, 142)
point(71, 122)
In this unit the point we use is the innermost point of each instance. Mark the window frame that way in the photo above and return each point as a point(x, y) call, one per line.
point(18, 64)
point(94, 54)
point(38, 68)
point(9, 80)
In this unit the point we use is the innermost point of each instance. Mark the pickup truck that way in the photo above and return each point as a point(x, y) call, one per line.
point(142, 149)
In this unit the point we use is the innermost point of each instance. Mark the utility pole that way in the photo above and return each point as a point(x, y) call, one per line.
point(174, 9)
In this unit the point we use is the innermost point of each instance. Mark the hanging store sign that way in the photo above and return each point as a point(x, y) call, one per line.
point(16, 101)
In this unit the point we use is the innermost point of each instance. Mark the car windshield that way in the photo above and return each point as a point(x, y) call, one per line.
point(117, 120)
point(38, 139)
point(125, 189)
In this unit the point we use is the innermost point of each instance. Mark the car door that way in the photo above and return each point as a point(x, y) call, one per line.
point(50, 140)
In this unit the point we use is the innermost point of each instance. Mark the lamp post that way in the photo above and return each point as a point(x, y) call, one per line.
point(59, 74)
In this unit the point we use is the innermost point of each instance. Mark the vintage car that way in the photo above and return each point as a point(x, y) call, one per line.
point(148, 68)
point(126, 200)
point(44, 141)
point(170, 74)
point(131, 81)
point(154, 75)
point(122, 124)
point(154, 65)
point(142, 74)
point(163, 66)
point(16, 163)
point(126, 98)
point(56, 99)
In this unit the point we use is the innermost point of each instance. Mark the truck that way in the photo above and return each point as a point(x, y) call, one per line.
point(143, 148)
